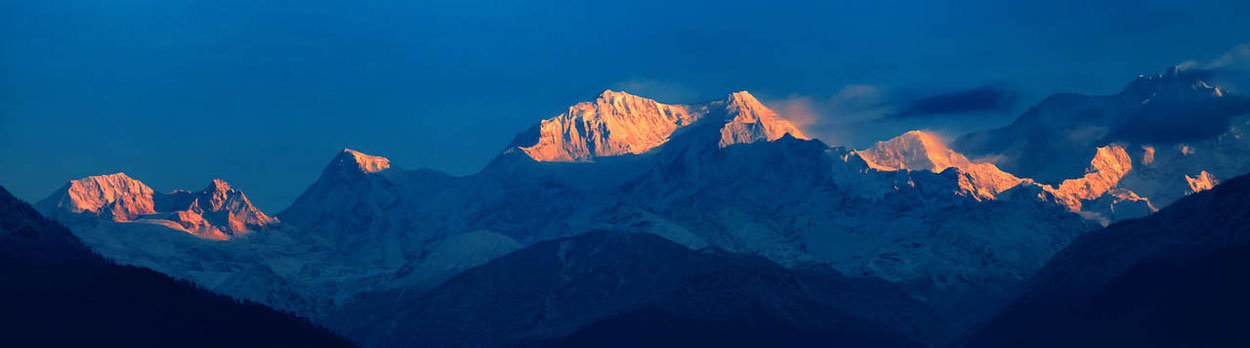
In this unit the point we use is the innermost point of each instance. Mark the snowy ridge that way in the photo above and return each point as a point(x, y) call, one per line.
point(1096, 195)
point(615, 123)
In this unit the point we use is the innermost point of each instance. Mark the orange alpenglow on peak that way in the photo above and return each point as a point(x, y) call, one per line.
point(216, 212)
point(753, 122)
point(615, 123)
point(116, 196)
point(619, 123)
point(920, 150)
point(219, 185)
point(366, 163)
point(1201, 182)
point(1109, 165)
point(610, 94)
point(914, 150)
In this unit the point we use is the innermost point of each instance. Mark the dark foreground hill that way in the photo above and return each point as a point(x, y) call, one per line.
point(55, 292)
point(1178, 278)
point(640, 290)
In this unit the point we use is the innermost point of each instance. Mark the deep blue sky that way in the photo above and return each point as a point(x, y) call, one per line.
point(264, 93)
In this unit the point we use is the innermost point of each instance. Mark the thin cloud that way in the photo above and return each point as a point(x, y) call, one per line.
point(859, 115)
point(1237, 58)
point(844, 118)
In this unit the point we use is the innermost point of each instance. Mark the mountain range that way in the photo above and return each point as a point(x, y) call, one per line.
point(722, 217)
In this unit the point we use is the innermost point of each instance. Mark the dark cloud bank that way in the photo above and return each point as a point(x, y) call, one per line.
point(981, 99)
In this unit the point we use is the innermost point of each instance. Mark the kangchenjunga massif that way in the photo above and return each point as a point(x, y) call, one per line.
point(623, 217)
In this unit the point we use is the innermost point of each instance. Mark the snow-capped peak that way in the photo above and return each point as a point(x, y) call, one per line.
point(218, 185)
point(748, 121)
point(619, 123)
point(216, 212)
point(609, 94)
point(1174, 83)
point(220, 196)
point(920, 150)
point(743, 100)
point(115, 196)
point(615, 123)
point(365, 163)
point(1102, 179)
point(914, 150)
